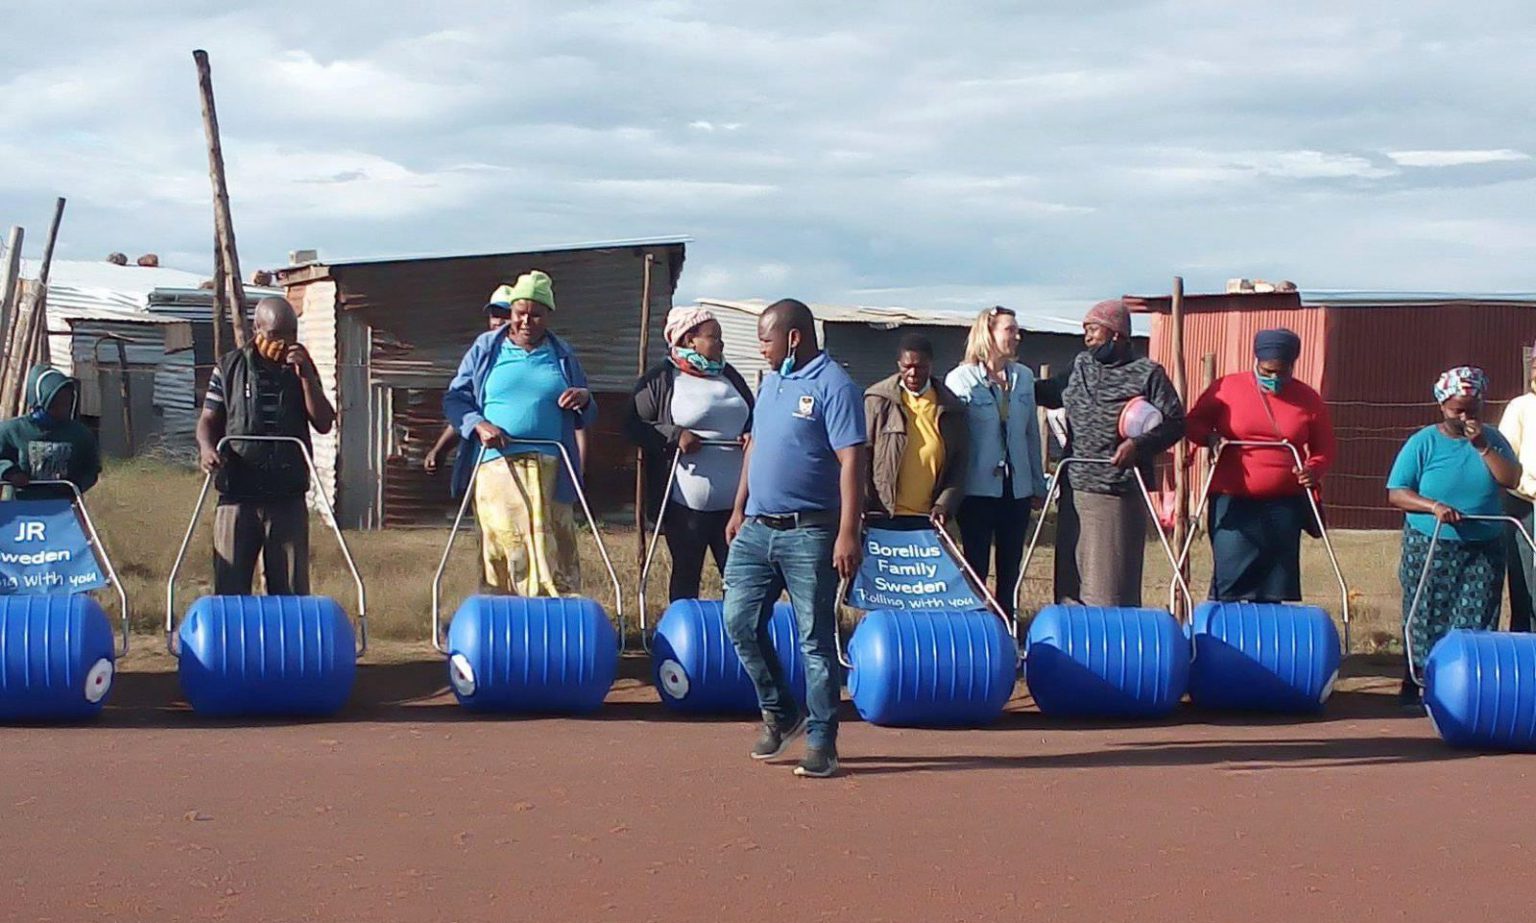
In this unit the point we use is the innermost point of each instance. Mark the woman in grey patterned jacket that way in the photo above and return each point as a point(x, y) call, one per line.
point(1102, 525)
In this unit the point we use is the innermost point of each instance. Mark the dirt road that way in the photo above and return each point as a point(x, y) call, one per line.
point(407, 809)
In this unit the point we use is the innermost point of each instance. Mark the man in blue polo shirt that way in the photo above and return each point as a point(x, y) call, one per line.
point(796, 527)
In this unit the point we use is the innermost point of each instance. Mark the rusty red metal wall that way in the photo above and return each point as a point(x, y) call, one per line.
point(1374, 364)
point(1381, 368)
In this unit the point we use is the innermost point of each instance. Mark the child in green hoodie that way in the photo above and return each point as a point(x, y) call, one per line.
point(48, 443)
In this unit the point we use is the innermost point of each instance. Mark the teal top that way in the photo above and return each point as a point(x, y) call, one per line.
point(1451, 471)
point(522, 396)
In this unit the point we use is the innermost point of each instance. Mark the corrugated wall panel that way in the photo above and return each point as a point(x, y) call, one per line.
point(425, 314)
point(316, 304)
point(1374, 366)
point(1382, 366)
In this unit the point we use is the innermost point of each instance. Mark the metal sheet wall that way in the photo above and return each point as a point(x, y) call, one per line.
point(1382, 365)
point(425, 314)
point(162, 381)
point(315, 303)
point(1374, 366)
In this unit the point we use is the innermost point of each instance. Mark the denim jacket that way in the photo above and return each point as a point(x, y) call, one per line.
point(465, 400)
point(984, 475)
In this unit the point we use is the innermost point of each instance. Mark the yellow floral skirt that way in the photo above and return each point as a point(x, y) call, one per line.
point(528, 539)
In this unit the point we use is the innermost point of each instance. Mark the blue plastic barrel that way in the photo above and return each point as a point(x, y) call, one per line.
point(531, 655)
point(695, 663)
point(1090, 662)
point(1480, 689)
point(56, 658)
point(1265, 657)
point(266, 656)
point(931, 668)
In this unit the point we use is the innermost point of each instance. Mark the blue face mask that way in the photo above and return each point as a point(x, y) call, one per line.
point(698, 361)
point(1268, 383)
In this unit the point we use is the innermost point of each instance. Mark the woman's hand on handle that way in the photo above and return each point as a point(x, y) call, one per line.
point(1447, 514)
point(688, 442)
point(1125, 454)
point(490, 434)
point(1307, 478)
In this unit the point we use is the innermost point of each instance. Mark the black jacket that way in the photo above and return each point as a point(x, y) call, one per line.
point(648, 424)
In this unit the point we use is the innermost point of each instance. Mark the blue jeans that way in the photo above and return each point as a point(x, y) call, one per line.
point(763, 563)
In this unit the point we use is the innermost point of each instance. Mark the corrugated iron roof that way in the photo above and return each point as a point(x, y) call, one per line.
point(305, 272)
point(1030, 320)
point(1342, 298)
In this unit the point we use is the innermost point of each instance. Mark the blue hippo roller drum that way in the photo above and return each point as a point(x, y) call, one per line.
point(266, 656)
point(953, 664)
point(1104, 662)
point(1479, 686)
point(529, 655)
point(693, 661)
point(1264, 657)
point(57, 652)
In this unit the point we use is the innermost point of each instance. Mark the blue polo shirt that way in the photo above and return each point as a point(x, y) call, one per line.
point(800, 422)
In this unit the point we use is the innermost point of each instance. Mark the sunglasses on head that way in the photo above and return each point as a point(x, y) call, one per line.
point(997, 309)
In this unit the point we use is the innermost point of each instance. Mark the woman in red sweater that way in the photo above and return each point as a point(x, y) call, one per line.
point(1258, 505)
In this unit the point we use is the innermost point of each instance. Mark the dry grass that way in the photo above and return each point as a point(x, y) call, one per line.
point(142, 508)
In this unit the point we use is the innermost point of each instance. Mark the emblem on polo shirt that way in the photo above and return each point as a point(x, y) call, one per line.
point(807, 407)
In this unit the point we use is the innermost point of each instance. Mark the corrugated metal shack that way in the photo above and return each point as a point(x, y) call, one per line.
point(161, 403)
point(864, 339)
point(388, 335)
point(1373, 356)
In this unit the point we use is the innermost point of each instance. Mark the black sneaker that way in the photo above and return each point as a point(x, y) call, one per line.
point(819, 763)
point(1409, 695)
point(776, 737)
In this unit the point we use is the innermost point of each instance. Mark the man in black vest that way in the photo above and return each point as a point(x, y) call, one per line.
point(268, 388)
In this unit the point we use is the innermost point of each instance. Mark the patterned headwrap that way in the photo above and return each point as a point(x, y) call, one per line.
point(682, 319)
point(1464, 379)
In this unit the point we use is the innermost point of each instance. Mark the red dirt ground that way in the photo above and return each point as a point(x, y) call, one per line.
point(405, 808)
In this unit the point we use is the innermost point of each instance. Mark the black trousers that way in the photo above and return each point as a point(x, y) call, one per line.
point(690, 535)
point(1001, 522)
point(1520, 567)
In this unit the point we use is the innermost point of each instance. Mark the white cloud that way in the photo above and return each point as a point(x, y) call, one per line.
point(1455, 158)
point(825, 152)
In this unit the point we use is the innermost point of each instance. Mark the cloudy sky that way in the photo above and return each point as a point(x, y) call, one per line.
point(936, 154)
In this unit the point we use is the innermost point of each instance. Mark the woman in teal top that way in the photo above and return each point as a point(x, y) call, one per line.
point(1459, 467)
point(522, 382)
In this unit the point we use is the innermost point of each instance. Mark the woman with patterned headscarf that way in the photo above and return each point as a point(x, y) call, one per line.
point(691, 396)
point(1459, 467)
point(1258, 495)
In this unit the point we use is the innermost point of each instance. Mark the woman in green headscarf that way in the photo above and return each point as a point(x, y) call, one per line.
point(522, 381)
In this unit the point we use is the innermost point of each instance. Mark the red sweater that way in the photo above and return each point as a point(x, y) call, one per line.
point(1233, 408)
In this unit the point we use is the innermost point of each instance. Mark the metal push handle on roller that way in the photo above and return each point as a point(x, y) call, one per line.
point(1053, 494)
point(650, 548)
point(469, 494)
point(1317, 515)
point(101, 553)
point(844, 586)
point(330, 518)
point(1429, 560)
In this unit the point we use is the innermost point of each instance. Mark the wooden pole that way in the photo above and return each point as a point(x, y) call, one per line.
point(223, 222)
point(1207, 378)
point(220, 302)
point(44, 354)
point(1181, 448)
point(10, 288)
point(640, 366)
